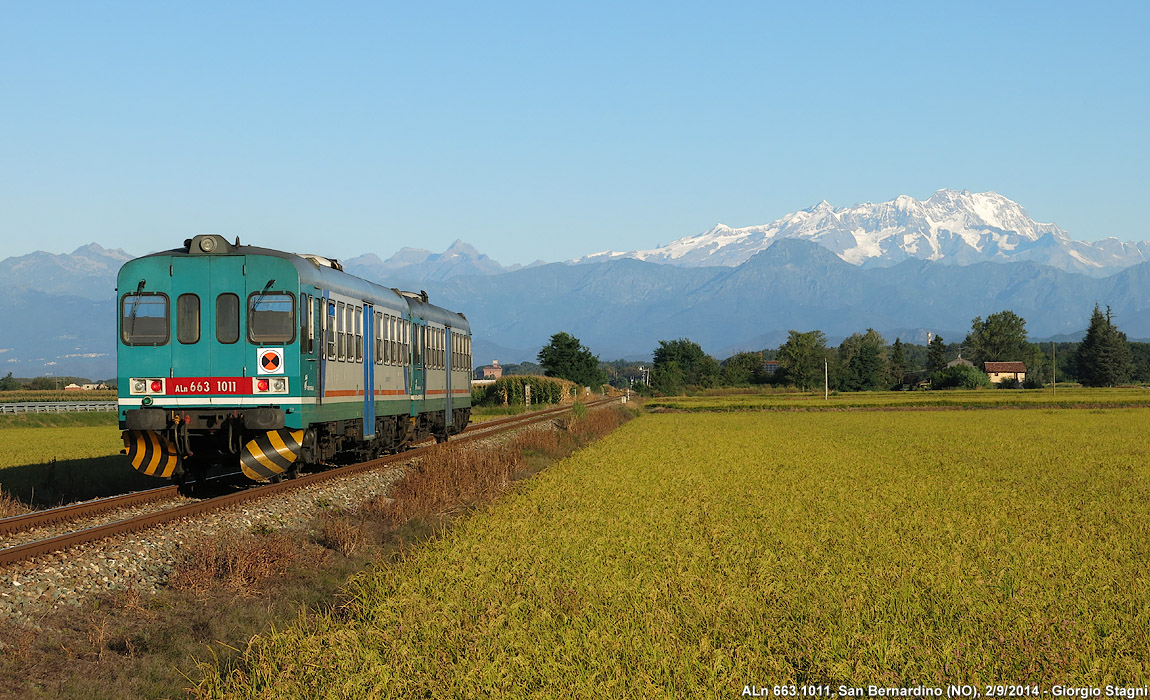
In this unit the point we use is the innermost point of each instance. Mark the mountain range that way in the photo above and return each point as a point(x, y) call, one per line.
point(903, 267)
point(952, 227)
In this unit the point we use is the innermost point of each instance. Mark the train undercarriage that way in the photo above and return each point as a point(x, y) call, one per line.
point(188, 444)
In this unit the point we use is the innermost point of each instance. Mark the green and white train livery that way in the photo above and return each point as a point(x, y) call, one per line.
point(233, 355)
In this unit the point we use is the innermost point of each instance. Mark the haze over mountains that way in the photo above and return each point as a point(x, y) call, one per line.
point(903, 267)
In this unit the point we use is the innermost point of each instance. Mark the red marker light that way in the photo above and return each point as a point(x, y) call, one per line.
point(157, 386)
point(262, 385)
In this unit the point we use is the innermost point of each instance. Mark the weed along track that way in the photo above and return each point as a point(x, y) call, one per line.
point(31, 537)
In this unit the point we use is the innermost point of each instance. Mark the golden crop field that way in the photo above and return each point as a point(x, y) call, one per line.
point(694, 555)
point(768, 400)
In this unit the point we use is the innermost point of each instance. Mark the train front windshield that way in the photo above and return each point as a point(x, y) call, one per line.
point(144, 319)
point(271, 318)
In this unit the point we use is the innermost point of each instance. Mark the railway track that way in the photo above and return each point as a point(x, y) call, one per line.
point(80, 511)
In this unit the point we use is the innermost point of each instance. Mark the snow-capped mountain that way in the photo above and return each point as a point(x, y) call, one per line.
point(951, 227)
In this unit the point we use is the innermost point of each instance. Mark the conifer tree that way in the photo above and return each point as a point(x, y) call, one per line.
point(1103, 357)
point(936, 354)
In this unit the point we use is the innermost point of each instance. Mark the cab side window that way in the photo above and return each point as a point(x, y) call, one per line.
point(188, 319)
point(227, 318)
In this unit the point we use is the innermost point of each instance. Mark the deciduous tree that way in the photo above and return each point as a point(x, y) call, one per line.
point(999, 338)
point(801, 359)
point(864, 367)
point(565, 357)
point(682, 362)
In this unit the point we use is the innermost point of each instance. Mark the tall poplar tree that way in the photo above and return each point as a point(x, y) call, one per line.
point(897, 362)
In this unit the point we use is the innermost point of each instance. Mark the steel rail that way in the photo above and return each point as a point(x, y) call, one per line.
point(30, 550)
point(74, 511)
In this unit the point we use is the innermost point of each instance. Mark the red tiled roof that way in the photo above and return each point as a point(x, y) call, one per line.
point(1001, 367)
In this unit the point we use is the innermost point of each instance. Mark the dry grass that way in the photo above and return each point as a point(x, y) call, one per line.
point(10, 506)
point(448, 479)
point(237, 561)
point(344, 533)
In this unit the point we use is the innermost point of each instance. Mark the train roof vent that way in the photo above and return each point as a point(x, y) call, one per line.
point(209, 244)
point(320, 261)
point(422, 295)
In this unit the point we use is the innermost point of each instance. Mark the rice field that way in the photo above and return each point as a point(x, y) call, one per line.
point(42, 437)
point(769, 400)
point(696, 555)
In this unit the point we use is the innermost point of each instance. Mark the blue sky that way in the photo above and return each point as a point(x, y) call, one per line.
point(548, 130)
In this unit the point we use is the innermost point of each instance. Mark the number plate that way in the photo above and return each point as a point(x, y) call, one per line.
point(195, 386)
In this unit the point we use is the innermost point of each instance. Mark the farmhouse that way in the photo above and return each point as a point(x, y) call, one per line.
point(492, 371)
point(998, 371)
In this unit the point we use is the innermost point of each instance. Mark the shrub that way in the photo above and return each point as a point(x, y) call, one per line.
point(1009, 383)
point(959, 377)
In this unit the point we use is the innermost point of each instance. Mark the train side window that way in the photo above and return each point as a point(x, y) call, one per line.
point(330, 330)
point(227, 318)
point(316, 306)
point(378, 338)
point(349, 333)
point(358, 334)
point(144, 319)
point(188, 319)
point(388, 335)
point(341, 321)
point(395, 341)
point(304, 314)
point(271, 318)
point(406, 342)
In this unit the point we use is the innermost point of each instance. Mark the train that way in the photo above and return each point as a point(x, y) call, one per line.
point(233, 355)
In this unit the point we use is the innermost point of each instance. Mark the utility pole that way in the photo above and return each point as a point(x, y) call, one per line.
point(826, 381)
point(1053, 368)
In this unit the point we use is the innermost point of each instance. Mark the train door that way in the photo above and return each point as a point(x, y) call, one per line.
point(320, 319)
point(209, 317)
point(418, 385)
point(368, 356)
point(448, 340)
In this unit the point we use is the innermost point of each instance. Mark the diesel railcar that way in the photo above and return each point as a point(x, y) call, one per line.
point(233, 355)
